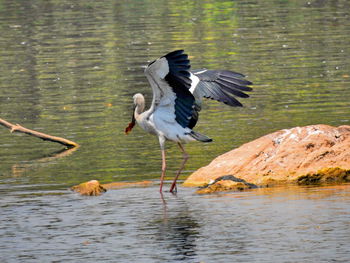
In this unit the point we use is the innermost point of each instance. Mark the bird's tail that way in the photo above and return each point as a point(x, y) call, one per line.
point(200, 137)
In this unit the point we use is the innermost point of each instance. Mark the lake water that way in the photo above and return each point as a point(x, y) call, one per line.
point(136, 225)
point(70, 68)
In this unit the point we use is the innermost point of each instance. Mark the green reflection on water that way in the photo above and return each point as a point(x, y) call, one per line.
point(70, 69)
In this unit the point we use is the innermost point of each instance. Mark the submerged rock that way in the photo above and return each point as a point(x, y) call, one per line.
point(226, 183)
point(91, 188)
point(94, 188)
point(303, 155)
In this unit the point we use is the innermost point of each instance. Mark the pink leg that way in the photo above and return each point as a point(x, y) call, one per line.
point(185, 158)
point(163, 170)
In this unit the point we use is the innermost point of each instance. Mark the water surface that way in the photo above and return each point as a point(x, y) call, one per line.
point(136, 225)
point(70, 69)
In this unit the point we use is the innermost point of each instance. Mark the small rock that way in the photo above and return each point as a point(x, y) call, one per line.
point(226, 183)
point(94, 188)
point(91, 188)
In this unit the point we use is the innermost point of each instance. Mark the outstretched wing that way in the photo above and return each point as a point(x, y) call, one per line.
point(220, 85)
point(170, 79)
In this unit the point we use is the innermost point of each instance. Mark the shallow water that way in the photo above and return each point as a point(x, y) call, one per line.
point(70, 69)
point(136, 225)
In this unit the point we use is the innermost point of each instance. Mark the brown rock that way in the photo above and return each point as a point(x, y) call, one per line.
point(223, 186)
point(226, 183)
point(94, 188)
point(284, 156)
point(325, 176)
point(91, 188)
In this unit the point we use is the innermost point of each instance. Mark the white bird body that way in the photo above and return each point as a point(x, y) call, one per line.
point(177, 95)
point(160, 119)
point(161, 122)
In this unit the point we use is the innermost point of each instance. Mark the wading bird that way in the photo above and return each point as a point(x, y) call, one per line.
point(177, 95)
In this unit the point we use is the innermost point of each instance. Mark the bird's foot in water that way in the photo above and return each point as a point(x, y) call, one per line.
point(173, 189)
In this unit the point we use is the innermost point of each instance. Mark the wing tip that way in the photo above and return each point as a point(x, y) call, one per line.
point(175, 53)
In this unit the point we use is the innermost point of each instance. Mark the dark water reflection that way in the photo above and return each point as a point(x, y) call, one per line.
point(70, 69)
point(177, 231)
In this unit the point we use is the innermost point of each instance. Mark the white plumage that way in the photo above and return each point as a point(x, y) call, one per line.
point(177, 95)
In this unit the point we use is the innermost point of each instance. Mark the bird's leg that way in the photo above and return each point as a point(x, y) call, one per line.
point(163, 170)
point(162, 148)
point(173, 187)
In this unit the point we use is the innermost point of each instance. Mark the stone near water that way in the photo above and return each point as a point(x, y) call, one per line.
point(94, 188)
point(302, 155)
point(226, 183)
point(91, 188)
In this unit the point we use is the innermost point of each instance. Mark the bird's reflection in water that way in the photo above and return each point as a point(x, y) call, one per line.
point(178, 230)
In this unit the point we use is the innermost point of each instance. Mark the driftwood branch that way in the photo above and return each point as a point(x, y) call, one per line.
point(43, 136)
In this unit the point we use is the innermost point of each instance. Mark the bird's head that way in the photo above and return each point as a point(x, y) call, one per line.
point(138, 99)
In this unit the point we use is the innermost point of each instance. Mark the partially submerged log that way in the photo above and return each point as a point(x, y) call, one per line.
point(43, 136)
point(94, 188)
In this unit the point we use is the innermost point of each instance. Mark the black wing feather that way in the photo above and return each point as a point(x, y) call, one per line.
point(215, 92)
point(240, 84)
point(222, 85)
point(233, 89)
point(179, 79)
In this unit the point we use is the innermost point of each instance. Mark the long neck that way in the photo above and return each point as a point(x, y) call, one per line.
point(140, 106)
